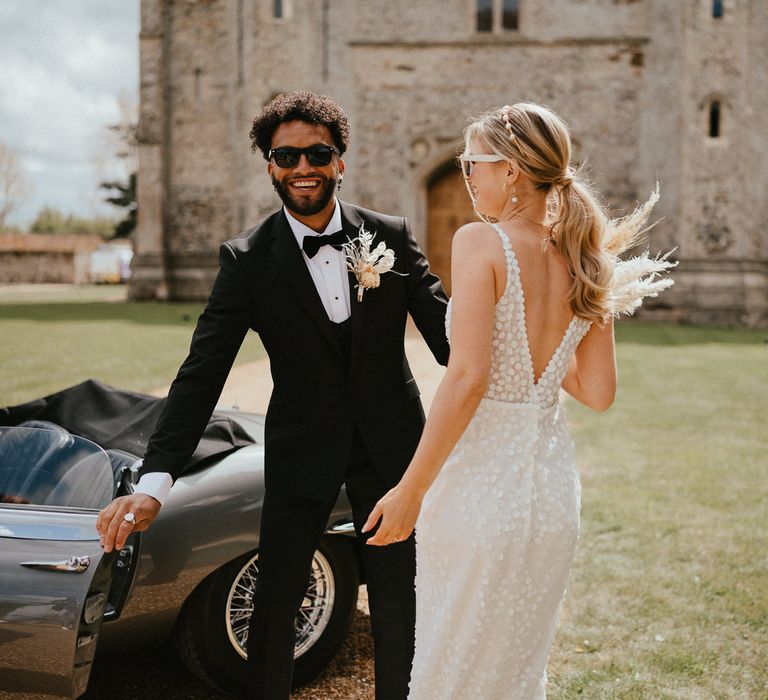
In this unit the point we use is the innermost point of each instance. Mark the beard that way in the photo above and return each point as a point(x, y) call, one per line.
point(307, 208)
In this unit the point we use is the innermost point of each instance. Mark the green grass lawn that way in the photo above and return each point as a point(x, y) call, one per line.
point(48, 343)
point(669, 593)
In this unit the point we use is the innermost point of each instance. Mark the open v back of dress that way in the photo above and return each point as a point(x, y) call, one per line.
point(538, 366)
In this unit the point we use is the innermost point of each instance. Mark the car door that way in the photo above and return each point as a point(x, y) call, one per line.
point(54, 578)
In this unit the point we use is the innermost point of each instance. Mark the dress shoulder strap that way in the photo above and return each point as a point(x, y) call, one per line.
point(513, 270)
point(504, 241)
point(509, 254)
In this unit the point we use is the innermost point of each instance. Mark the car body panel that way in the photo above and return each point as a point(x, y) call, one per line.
point(210, 518)
point(55, 583)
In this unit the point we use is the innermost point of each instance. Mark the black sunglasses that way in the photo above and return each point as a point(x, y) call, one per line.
point(289, 156)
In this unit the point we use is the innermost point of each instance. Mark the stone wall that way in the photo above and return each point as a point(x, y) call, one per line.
point(633, 78)
point(38, 258)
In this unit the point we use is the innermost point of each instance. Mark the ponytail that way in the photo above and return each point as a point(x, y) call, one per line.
point(591, 243)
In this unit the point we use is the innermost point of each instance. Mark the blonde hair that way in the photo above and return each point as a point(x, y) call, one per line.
point(583, 233)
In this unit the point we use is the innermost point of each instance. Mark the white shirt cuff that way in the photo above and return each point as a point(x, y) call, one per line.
point(155, 484)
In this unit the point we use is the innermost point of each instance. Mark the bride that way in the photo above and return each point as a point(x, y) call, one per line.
point(493, 483)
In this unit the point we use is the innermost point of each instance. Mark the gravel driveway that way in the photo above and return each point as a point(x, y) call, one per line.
point(158, 673)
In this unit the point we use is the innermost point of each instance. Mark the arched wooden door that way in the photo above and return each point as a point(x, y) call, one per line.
point(448, 208)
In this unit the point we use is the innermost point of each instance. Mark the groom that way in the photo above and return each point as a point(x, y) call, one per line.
point(345, 408)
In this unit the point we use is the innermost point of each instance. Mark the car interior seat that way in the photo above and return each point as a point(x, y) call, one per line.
point(121, 462)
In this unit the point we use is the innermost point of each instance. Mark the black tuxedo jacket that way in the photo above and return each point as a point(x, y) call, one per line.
point(322, 390)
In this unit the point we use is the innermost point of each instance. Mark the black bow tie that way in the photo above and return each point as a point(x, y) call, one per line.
point(311, 244)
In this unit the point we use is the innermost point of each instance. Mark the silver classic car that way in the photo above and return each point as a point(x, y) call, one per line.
point(191, 576)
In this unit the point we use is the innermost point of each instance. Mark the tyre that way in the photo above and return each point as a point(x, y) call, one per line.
point(212, 629)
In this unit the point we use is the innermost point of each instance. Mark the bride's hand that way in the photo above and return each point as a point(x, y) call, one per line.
point(398, 510)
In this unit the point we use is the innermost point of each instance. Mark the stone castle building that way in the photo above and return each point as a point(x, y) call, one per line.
point(667, 90)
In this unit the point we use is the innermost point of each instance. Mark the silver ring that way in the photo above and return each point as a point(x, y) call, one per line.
point(129, 518)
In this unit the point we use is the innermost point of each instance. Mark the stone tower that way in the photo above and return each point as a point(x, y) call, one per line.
point(652, 90)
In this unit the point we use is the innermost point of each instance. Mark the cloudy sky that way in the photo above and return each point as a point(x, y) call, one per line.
point(65, 65)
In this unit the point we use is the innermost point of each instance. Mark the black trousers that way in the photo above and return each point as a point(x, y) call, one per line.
point(290, 532)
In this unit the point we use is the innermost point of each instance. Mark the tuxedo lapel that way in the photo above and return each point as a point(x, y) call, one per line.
point(350, 224)
point(288, 254)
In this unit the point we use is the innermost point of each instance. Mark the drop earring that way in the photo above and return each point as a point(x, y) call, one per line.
point(514, 199)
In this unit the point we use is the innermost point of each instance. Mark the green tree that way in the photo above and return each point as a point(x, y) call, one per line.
point(51, 220)
point(48, 220)
point(123, 195)
point(122, 140)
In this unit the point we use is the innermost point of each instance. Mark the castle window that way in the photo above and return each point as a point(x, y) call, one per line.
point(717, 8)
point(484, 15)
point(714, 119)
point(509, 14)
point(496, 15)
point(278, 8)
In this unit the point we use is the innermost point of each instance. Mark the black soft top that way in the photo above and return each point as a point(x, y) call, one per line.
point(123, 420)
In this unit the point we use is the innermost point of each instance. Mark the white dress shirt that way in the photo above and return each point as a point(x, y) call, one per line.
point(328, 269)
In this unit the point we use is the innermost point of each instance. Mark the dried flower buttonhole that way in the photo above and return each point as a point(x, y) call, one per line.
point(366, 264)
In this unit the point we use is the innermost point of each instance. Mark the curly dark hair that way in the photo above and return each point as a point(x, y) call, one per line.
point(302, 106)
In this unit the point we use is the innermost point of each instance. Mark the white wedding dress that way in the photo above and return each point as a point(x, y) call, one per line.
point(496, 535)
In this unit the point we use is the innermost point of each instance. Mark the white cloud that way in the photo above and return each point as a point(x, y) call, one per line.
point(63, 66)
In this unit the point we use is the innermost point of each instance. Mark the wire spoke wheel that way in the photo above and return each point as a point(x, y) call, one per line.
point(313, 616)
point(211, 633)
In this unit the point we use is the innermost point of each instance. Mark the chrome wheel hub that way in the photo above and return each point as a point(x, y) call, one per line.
point(313, 615)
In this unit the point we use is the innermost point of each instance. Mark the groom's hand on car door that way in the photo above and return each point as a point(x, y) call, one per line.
point(112, 525)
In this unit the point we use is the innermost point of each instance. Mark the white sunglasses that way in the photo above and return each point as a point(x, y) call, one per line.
point(467, 160)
